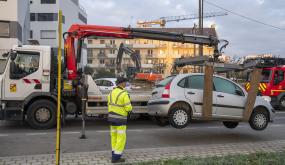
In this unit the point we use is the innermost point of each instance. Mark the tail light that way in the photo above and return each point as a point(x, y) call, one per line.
point(166, 91)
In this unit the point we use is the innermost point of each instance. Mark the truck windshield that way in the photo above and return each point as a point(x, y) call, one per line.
point(165, 81)
point(3, 63)
point(266, 76)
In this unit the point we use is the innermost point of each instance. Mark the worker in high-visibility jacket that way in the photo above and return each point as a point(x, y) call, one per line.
point(119, 106)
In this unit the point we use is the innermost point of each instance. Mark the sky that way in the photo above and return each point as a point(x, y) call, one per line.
point(246, 37)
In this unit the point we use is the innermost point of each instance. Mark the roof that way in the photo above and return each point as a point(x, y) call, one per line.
point(206, 31)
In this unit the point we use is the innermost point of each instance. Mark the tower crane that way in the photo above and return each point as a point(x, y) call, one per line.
point(163, 20)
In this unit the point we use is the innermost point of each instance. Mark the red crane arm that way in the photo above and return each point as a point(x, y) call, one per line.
point(80, 32)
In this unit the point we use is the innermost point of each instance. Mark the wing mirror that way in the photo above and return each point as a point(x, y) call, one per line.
point(13, 55)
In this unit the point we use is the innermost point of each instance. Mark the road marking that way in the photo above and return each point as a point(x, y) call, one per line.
point(3, 135)
point(35, 134)
point(67, 133)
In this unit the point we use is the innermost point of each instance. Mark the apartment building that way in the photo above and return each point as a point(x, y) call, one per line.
point(14, 23)
point(155, 55)
point(44, 19)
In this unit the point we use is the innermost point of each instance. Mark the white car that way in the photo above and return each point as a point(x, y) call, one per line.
point(180, 98)
point(107, 84)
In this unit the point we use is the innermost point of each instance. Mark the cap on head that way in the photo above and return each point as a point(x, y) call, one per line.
point(121, 80)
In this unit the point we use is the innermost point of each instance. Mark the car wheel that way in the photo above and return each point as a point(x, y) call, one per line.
point(259, 119)
point(230, 124)
point(179, 117)
point(282, 104)
point(42, 114)
point(161, 121)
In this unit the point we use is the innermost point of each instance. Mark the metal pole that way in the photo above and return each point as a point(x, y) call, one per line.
point(201, 8)
point(83, 91)
point(58, 132)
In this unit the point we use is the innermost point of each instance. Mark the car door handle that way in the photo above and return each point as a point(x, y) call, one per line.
point(191, 93)
point(154, 93)
point(221, 96)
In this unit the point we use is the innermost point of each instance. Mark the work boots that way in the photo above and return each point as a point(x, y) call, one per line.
point(121, 160)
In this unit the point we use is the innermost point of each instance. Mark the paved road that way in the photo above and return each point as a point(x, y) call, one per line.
point(17, 139)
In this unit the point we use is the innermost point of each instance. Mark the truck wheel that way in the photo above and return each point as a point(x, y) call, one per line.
point(42, 114)
point(161, 121)
point(179, 117)
point(282, 104)
point(259, 119)
point(230, 124)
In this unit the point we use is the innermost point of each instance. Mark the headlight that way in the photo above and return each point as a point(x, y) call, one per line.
point(267, 98)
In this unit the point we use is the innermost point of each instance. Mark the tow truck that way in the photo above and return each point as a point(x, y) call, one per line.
point(28, 81)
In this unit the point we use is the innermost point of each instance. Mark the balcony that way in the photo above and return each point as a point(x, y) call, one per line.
point(101, 55)
point(97, 65)
point(111, 55)
point(98, 46)
point(111, 46)
point(144, 46)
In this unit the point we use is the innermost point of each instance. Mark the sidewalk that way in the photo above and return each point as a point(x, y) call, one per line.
point(149, 154)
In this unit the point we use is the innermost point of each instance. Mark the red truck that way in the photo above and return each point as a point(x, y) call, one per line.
point(272, 83)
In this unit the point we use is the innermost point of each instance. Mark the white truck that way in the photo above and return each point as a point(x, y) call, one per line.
point(28, 89)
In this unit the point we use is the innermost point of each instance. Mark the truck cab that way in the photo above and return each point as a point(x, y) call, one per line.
point(272, 86)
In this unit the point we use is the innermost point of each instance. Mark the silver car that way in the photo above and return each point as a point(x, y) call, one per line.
point(179, 99)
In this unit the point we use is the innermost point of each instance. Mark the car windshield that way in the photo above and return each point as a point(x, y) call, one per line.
point(266, 76)
point(165, 81)
point(3, 63)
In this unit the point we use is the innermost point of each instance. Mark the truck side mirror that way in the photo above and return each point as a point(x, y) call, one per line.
point(13, 55)
point(13, 68)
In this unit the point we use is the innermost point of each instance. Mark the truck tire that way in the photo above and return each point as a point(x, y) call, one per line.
point(230, 124)
point(179, 117)
point(281, 104)
point(259, 119)
point(41, 114)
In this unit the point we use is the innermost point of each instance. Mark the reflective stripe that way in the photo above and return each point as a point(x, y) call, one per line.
point(113, 131)
point(117, 116)
point(111, 97)
point(118, 152)
point(119, 96)
point(116, 105)
point(121, 131)
point(126, 104)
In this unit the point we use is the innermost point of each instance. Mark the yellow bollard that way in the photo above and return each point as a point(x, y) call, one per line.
point(58, 133)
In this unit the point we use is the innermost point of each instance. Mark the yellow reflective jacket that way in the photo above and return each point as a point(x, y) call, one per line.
point(119, 105)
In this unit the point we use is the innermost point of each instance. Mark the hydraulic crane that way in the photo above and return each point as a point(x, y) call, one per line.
point(163, 20)
point(77, 34)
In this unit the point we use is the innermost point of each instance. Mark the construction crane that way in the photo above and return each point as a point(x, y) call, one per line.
point(163, 20)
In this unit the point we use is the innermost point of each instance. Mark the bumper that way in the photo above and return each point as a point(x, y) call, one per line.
point(159, 107)
point(11, 114)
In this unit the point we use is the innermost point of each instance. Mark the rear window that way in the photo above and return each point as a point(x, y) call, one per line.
point(165, 81)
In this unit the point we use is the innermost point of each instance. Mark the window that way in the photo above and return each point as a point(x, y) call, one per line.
point(47, 16)
point(112, 42)
point(182, 83)
point(107, 83)
point(31, 34)
point(102, 61)
point(48, 1)
point(112, 51)
point(102, 41)
point(225, 86)
point(196, 82)
point(32, 16)
point(90, 41)
point(165, 81)
point(89, 53)
point(3, 63)
point(48, 34)
point(137, 51)
point(99, 82)
point(4, 29)
point(112, 61)
point(82, 18)
point(149, 52)
point(278, 76)
point(89, 61)
point(25, 64)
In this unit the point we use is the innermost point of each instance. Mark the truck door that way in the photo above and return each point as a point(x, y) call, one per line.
point(23, 76)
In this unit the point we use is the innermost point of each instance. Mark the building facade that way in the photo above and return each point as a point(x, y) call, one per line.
point(44, 19)
point(155, 55)
point(14, 23)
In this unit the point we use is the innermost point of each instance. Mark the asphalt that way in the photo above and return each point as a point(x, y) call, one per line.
point(17, 139)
